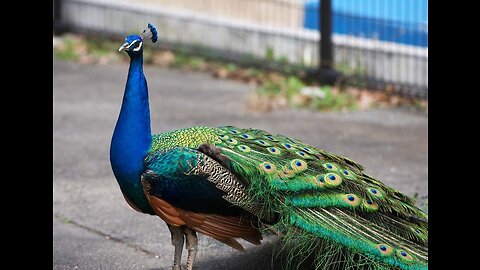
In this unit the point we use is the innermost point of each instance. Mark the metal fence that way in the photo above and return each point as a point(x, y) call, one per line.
point(380, 44)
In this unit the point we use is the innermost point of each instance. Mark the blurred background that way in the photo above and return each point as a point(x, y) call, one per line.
point(376, 44)
point(348, 76)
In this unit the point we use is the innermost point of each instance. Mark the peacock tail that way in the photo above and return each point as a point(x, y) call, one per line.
point(322, 204)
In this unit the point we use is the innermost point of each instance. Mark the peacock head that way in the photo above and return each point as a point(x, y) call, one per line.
point(134, 43)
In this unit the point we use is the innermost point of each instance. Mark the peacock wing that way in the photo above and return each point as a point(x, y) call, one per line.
point(186, 187)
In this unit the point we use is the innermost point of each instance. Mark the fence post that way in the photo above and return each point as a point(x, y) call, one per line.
point(327, 73)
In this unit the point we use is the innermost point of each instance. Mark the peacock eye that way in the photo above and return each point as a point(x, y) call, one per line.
point(138, 46)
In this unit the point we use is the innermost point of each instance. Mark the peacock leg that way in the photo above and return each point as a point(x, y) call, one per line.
point(177, 242)
point(192, 243)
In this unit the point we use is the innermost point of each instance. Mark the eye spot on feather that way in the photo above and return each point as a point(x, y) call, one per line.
point(301, 153)
point(287, 145)
point(330, 166)
point(348, 174)
point(298, 165)
point(319, 180)
point(384, 249)
point(351, 199)
point(269, 137)
point(267, 167)
point(418, 231)
point(224, 137)
point(232, 141)
point(375, 192)
point(309, 150)
point(244, 148)
point(402, 254)
point(274, 150)
point(263, 143)
point(332, 179)
point(246, 136)
point(369, 205)
point(233, 131)
point(287, 172)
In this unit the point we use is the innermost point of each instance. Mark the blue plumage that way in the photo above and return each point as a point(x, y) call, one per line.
point(132, 135)
point(153, 30)
point(131, 38)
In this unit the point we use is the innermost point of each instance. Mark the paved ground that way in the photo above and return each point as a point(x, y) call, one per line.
point(94, 228)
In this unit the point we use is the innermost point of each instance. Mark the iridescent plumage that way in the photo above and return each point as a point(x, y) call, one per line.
point(325, 195)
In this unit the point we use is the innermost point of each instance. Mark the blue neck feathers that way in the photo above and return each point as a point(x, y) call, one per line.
point(132, 136)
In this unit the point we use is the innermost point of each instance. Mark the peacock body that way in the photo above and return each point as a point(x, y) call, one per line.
point(228, 183)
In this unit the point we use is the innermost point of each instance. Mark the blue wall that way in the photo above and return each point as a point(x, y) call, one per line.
point(400, 21)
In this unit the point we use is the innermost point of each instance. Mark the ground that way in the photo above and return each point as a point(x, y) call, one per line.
point(94, 228)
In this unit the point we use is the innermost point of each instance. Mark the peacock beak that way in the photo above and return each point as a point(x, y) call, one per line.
point(124, 47)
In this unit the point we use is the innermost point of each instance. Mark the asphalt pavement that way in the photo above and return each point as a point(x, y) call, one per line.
point(94, 228)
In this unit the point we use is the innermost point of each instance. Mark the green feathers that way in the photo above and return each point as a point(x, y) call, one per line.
point(328, 197)
point(187, 137)
point(307, 193)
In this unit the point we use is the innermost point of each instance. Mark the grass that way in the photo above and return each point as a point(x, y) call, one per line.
point(92, 50)
point(334, 100)
point(297, 94)
point(67, 51)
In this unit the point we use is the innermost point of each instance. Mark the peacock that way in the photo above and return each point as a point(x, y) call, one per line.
point(233, 183)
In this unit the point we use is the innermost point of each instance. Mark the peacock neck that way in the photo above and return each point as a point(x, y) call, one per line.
point(132, 136)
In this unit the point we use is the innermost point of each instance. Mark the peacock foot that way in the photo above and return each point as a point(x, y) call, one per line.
point(180, 234)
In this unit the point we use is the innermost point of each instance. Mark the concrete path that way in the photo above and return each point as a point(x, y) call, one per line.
point(94, 228)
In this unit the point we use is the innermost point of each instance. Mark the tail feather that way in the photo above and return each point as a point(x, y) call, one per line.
point(361, 237)
point(326, 204)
